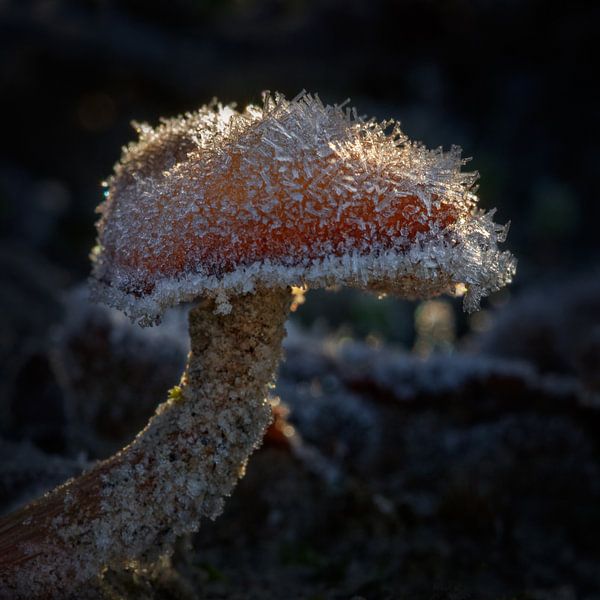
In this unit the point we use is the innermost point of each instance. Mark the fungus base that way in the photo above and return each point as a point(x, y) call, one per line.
point(177, 470)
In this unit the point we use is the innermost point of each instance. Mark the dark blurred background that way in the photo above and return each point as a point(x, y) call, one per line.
point(477, 470)
point(510, 81)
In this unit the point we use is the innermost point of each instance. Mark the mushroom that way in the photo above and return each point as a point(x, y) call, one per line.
point(230, 209)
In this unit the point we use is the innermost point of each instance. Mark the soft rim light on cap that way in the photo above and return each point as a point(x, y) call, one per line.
point(296, 193)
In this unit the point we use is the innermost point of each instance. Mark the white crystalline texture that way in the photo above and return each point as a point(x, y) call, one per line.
point(177, 470)
point(218, 202)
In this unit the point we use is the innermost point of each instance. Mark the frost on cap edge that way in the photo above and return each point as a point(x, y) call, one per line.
point(160, 164)
point(432, 266)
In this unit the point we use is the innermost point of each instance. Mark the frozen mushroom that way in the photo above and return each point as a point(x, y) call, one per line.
point(230, 209)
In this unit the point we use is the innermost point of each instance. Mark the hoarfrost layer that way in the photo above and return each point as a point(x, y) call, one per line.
point(218, 202)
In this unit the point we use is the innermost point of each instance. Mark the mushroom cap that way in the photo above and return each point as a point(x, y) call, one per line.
point(218, 202)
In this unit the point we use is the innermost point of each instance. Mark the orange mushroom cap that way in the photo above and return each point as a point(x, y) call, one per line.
point(291, 193)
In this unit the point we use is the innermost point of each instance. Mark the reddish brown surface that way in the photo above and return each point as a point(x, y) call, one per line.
point(286, 232)
point(276, 435)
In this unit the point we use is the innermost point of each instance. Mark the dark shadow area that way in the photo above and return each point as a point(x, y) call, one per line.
point(463, 449)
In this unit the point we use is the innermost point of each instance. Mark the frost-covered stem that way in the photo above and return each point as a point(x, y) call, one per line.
point(177, 470)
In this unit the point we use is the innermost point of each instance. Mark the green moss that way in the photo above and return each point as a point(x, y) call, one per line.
point(175, 394)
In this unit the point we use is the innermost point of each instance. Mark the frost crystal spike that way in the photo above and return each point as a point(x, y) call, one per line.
point(218, 202)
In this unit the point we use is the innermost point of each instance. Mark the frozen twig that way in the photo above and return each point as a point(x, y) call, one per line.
point(177, 470)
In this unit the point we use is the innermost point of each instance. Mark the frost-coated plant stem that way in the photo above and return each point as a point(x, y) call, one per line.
point(177, 470)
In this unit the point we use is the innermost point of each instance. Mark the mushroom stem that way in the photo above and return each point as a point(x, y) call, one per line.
point(177, 470)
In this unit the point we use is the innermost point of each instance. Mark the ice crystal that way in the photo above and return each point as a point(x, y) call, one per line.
point(291, 193)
